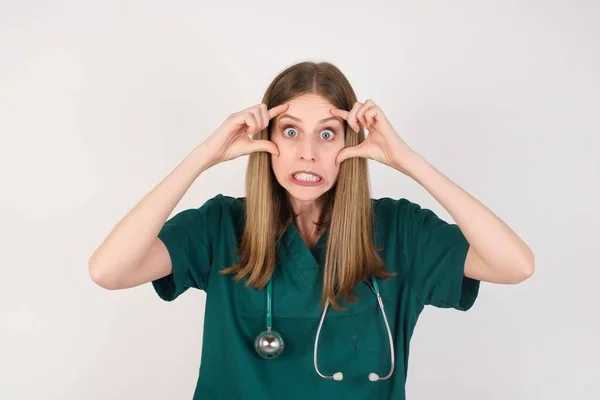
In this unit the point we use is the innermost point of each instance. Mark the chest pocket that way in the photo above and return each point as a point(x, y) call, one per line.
point(369, 332)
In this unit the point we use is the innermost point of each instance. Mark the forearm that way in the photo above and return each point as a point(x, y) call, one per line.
point(492, 239)
point(131, 239)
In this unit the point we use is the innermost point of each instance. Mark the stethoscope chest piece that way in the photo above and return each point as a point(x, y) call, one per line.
point(269, 344)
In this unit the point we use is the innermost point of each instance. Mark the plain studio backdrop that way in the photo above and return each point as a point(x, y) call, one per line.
point(100, 101)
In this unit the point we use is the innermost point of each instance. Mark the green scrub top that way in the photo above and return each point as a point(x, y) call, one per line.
point(427, 253)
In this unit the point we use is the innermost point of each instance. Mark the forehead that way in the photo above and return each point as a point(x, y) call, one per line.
point(310, 108)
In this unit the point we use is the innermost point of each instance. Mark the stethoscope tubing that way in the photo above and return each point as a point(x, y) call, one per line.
point(338, 375)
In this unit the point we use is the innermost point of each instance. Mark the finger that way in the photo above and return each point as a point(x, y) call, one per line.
point(263, 145)
point(370, 116)
point(250, 120)
point(351, 117)
point(275, 111)
point(349, 152)
point(360, 114)
point(256, 111)
point(265, 116)
point(238, 121)
point(337, 112)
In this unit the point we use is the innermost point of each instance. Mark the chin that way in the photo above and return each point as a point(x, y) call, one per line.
point(305, 195)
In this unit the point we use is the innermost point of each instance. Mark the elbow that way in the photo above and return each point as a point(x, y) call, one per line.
point(525, 273)
point(99, 276)
point(526, 270)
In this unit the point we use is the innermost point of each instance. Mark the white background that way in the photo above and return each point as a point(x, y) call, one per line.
point(99, 101)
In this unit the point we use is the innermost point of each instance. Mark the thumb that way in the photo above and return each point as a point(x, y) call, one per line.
point(349, 152)
point(264, 145)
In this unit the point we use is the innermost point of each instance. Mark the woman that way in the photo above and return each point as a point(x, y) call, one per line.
point(293, 271)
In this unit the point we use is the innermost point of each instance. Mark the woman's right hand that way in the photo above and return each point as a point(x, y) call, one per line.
point(234, 137)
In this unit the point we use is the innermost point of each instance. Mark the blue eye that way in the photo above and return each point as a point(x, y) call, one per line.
point(331, 134)
point(285, 129)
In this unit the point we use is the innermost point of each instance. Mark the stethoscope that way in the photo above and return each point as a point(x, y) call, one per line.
point(270, 344)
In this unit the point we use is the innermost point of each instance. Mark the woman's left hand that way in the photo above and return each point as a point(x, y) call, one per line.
point(382, 144)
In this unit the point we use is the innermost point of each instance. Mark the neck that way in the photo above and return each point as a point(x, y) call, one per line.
point(308, 213)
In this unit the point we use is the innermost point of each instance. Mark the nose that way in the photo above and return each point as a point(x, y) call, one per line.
point(308, 150)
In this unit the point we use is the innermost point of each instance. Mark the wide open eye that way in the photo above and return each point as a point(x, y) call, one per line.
point(330, 134)
point(292, 129)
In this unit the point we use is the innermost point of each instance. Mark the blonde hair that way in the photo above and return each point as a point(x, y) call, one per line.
point(346, 208)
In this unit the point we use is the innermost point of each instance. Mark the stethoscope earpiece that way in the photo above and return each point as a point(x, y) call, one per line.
point(373, 377)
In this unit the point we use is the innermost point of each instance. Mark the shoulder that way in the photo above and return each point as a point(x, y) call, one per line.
point(213, 212)
point(407, 219)
point(230, 206)
point(391, 218)
point(225, 212)
point(387, 208)
point(223, 204)
point(384, 204)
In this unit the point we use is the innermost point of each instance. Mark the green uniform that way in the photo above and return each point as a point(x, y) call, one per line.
point(427, 253)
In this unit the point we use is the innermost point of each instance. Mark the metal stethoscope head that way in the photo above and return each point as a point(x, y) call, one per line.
point(269, 343)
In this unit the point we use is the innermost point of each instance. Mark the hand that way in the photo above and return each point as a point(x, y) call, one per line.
point(234, 137)
point(382, 143)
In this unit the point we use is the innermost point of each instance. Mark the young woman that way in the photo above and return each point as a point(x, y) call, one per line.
point(313, 287)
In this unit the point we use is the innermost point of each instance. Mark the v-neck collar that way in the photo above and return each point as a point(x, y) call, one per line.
point(305, 261)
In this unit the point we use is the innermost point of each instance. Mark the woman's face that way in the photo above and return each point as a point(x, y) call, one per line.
point(309, 139)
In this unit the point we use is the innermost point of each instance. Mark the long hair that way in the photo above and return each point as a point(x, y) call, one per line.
point(347, 214)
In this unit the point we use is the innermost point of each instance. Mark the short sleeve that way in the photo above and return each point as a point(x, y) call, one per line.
point(189, 236)
point(435, 252)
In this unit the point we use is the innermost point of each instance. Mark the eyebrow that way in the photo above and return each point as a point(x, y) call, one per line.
point(320, 121)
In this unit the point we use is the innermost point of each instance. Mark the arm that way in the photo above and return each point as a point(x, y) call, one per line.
point(496, 254)
point(132, 254)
